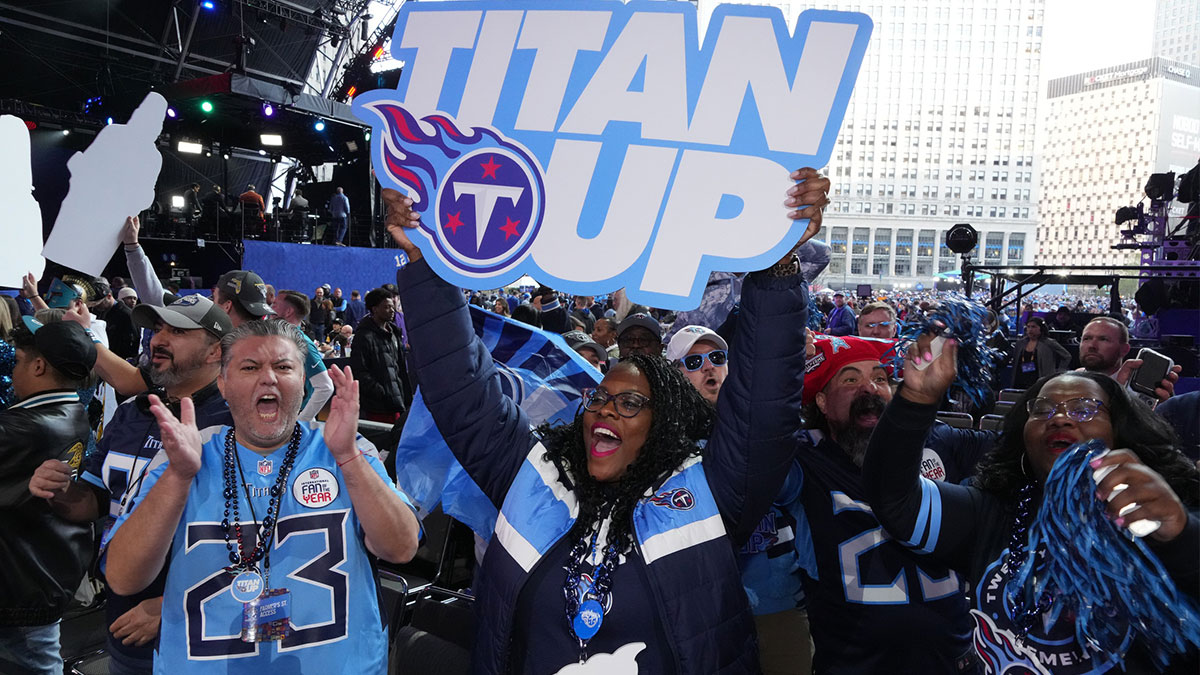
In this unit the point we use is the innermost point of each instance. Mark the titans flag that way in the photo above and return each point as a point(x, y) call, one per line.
point(537, 370)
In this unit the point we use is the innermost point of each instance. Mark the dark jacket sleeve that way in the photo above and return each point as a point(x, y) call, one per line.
point(486, 430)
point(933, 517)
point(554, 318)
point(1179, 556)
point(758, 412)
point(961, 449)
point(1062, 357)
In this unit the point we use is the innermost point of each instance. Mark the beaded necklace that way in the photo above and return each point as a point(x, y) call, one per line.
point(240, 560)
point(584, 618)
point(1024, 616)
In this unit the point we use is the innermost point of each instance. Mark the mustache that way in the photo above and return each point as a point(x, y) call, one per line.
point(162, 351)
point(867, 404)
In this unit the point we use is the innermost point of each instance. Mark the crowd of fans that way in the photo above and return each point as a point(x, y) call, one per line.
point(701, 512)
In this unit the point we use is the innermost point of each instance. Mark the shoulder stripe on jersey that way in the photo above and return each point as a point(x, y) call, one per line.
point(843, 502)
point(517, 546)
point(680, 538)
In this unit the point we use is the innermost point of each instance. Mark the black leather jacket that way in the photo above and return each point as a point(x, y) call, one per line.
point(44, 557)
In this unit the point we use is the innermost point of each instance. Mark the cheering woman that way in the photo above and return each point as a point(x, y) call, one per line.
point(981, 530)
point(614, 550)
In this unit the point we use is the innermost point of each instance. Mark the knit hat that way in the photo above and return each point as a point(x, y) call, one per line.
point(835, 353)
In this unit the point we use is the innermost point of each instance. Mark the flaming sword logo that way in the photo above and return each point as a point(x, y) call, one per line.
point(486, 192)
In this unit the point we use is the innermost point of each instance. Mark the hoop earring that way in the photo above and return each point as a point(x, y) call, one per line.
point(1024, 471)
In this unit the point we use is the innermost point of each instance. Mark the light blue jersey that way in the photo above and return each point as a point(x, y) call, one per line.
point(319, 555)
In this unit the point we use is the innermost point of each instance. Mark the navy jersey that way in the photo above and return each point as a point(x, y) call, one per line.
point(126, 454)
point(319, 555)
point(876, 605)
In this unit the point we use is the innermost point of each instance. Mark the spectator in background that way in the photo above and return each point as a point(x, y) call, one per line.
point(702, 356)
point(291, 306)
point(639, 334)
point(299, 203)
point(123, 338)
point(377, 361)
point(252, 199)
point(583, 312)
point(527, 314)
point(317, 315)
point(10, 316)
point(841, 320)
point(339, 305)
point(582, 343)
point(339, 208)
point(270, 293)
point(1037, 355)
point(191, 202)
point(1063, 320)
point(128, 297)
point(605, 334)
point(878, 320)
point(356, 309)
point(500, 306)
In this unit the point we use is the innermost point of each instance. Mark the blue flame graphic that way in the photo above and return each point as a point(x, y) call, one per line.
point(1000, 651)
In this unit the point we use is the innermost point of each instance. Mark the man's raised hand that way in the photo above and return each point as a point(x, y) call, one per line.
point(401, 217)
point(180, 437)
point(129, 231)
point(341, 427)
point(812, 193)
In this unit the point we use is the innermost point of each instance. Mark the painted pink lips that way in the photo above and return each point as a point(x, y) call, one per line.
point(605, 441)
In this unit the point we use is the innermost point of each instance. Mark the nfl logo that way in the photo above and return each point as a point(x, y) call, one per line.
point(314, 474)
point(265, 466)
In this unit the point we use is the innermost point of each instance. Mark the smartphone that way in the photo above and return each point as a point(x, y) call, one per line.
point(1154, 369)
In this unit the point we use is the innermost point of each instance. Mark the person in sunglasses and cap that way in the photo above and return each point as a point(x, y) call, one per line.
point(702, 356)
point(185, 358)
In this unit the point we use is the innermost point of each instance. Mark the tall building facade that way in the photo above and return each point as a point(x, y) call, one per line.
point(940, 130)
point(1177, 31)
point(1105, 132)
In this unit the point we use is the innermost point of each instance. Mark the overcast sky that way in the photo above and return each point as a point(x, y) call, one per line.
point(1082, 35)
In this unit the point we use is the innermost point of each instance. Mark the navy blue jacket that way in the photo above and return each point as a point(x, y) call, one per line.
point(688, 555)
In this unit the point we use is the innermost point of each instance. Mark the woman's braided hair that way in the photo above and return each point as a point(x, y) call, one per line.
point(681, 417)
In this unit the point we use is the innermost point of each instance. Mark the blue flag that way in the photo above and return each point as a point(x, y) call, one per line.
point(537, 370)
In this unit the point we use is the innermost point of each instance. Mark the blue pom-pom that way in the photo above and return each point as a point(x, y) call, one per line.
point(814, 315)
point(1110, 580)
point(962, 320)
point(8, 361)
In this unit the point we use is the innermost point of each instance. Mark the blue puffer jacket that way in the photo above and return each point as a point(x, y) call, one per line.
point(689, 555)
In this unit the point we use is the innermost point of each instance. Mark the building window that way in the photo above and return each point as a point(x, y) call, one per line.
point(1016, 247)
point(861, 241)
point(994, 244)
point(837, 239)
point(858, 266)
point(883, 241)
point(925, 244)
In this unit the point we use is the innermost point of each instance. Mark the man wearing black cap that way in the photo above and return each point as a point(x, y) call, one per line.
point(123, 337)
point(185, 360)
point(243, 296)
point(639, 334)
point(44, 556)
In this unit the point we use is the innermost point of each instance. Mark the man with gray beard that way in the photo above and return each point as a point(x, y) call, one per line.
point(872, 602)
point(185, 358)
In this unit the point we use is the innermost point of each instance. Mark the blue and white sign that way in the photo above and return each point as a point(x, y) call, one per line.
point(596, 144)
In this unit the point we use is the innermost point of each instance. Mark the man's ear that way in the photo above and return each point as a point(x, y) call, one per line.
point(40, 366)
point(820, 401)
point(214, 353)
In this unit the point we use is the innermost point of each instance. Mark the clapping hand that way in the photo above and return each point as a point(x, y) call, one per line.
point(180, 437)
point(341, 427)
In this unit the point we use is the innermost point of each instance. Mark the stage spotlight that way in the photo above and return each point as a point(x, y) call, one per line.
point(108, 120)
point(262, 153)
point(208, 4)
point(177, 202)
point(319, 125)
point(271, 139)
point(268, 109)
point(225, 156)
point(66, 132)
point(171, 112)
point(190, 147)
point(208, 153)
point(367, 135)
point(206, 106)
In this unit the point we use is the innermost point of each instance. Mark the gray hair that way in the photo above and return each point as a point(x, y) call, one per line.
point(262, 328)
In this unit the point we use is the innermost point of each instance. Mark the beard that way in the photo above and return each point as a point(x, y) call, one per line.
point(853, 436)
point(1097, 363)
point(177, 369)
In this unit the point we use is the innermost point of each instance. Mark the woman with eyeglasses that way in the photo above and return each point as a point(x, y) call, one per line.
point(616, 540)
point(981, 529)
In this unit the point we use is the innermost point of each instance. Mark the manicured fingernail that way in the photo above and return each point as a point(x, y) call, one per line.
point(1095, 462)
point(795, 174)
point(928, 356)
point(794, 190)
point(1120, 522)
point(789, 202)
point(794, 214)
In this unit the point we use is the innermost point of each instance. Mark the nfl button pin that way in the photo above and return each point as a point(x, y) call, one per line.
point(315, 488)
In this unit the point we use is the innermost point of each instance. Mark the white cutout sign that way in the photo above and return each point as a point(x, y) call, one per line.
point(111, 180)
point(22, 230)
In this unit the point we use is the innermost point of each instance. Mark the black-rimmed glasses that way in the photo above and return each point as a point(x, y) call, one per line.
point(626, 403)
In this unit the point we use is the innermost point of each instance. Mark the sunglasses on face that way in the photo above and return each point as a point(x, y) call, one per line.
point(885, 324)
point(627, 403)
point(1077, 409)
point(693, 362)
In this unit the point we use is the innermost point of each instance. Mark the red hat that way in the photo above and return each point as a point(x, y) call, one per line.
point(834, 353)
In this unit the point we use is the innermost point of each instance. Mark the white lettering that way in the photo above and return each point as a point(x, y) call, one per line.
point(650, 43)
point(493, 51)
point(629, 221)
point(793, 117)
point(558, 38)
point(434, 35)
point(690, 230)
